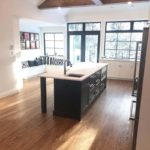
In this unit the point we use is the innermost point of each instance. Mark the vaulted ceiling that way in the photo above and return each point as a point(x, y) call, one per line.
point(71, 3)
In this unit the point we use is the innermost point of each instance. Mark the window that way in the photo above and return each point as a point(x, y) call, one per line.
point(121, 39)
point(83, 42)
point(54, 44)
point(75, 27)
point(92, 26)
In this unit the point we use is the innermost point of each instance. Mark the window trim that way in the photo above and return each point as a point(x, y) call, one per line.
point(54, 42)
point(83, 33)
point(121, 31)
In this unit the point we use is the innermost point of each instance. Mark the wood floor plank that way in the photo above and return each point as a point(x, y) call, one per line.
point(105, 126)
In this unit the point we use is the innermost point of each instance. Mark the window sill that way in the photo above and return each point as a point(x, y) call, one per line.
point(123, 60)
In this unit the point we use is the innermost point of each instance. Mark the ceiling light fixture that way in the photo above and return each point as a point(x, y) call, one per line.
point(130, 3)
point(59, 8)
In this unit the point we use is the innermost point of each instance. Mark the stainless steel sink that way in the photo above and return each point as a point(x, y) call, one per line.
point(75, 75)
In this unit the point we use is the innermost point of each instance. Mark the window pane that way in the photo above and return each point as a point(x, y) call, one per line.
point(49, 51)
point(59, 37)
point(71, 27)
point(139, 25)
point(75, 48)
point(88, 27)
point(124, 26)
point(132, 54)
point(78, 27)
point(118, 26)
point(133, 46)
point(110, 45)
point(136, 36)
point(122, 54)
point(96, 26)
point(112, 26)
point(49, 44)
point(59, 51)
point(110, 53)
point(59, 44)
point(124, 36)
point(75, 27)
point(111, 37)
point(49, 36)
point(91, 47)
point(92, 26)
point(123, 45)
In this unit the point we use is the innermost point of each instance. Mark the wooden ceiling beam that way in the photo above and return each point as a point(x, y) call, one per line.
point(72, 3)
point(65, 3)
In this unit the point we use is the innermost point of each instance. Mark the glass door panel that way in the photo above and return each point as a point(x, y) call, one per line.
point(91, 48)
point(75, 48)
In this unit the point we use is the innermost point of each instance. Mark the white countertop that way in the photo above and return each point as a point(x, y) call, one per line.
point(86, 69)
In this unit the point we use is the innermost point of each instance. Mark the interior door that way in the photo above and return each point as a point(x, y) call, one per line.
point(75, 48)
point(91, 48)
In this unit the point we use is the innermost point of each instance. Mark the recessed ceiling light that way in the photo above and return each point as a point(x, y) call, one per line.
point(130, 3)
point(59, 8)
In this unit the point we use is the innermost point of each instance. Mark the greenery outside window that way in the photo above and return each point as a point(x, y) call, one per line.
point(121, 39)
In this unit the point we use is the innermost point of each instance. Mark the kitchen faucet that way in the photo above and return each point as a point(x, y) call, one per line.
point(67, 62)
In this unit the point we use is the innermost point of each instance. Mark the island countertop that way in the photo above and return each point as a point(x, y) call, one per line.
point(85, 69)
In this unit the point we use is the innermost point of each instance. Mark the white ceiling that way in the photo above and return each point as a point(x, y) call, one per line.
point(63, 13)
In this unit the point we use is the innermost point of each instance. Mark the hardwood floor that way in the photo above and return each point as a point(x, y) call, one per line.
point(105, 126)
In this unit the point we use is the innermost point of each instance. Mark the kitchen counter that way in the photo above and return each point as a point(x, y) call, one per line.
point(85, 69)
point(74, 95)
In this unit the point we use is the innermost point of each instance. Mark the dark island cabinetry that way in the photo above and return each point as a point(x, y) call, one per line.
point(73, 98)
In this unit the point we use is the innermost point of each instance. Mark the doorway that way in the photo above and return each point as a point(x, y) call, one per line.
point(83, 43)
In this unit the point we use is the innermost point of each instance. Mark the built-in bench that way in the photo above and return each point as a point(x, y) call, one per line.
point(31, 68)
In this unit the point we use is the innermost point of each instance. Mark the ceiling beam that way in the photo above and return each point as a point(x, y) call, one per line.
point(65, 3)
point(72, 3)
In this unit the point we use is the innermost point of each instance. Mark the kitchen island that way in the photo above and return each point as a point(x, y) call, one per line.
point(77, 90)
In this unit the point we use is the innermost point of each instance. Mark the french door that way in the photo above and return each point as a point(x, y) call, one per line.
point(83, 47)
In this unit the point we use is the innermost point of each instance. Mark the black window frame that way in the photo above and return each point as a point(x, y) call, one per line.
point(83, 33)
point(54, 33)
point(132, 30)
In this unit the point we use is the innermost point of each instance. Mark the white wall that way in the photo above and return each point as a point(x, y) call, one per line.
point(10, 13)
point(117, 69)
point(8, 47)
point(30, 54)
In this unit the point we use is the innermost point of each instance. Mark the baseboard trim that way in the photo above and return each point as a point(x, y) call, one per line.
point(8, 93)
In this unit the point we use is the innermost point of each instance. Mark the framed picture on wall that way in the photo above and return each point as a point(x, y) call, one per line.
point(23, 45)
point(33, 46)
point(29, 40)
point(37, 44)
point(26, 36)
point(27, 44)
point(22, 36)
point(36, 36)
point(32, 37)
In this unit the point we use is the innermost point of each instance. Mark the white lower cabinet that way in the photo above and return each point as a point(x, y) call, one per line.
point(120, 69)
